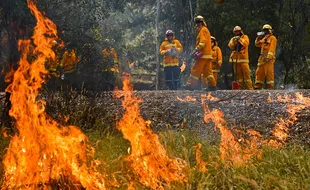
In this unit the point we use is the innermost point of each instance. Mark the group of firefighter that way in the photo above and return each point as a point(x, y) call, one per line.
point(208, 58)
point(66, 64)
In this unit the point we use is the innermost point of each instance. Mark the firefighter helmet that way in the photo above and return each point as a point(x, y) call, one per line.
point(213, 38)
point(169, 33)
point(267, 26)
point(199, 18)
point(237, 28)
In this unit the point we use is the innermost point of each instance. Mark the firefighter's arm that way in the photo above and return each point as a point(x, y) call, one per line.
point(272, 48)
point(63, 60)
point(219, 56)
point(258, 42)
point(179, 46)
point(244, 41)
point(232, 44)
point(162, 49)
point(203, 37)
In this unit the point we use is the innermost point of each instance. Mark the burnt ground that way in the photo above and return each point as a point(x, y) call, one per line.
point(243, 109)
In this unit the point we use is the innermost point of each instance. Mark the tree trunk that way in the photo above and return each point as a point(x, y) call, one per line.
point(157, 44)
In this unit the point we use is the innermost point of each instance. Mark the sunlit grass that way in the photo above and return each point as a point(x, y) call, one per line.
point(286, 168)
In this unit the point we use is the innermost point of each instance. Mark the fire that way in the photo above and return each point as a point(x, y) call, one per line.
point(148, 157)
point(183, 66)
point(237, 150)
point(187, 99)
point(44, 154)
point(281, 129)
point(200, 163)
point(209, 97)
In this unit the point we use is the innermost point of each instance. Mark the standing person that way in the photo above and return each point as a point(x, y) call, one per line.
point(170, 49)
point(203, 57)
point(240, 58)
point(68, 63)
point(265, 67)
point(216, 58)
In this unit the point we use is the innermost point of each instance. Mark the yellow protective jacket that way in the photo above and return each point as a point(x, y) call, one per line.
point(268, 46)
point(216, 59)
point(203, 42)
point(168, 59)
point(69, 61)
point(243, 55)
point(107, 58)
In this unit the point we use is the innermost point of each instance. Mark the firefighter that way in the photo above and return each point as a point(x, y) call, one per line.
point(265, 67)
point(68, 62)
point(170, 49)
point(203, 57)
point(52, 65)
point(110, 67)
point(216, 60)
point(240, 58)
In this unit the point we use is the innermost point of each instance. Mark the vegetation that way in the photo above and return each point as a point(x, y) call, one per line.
point(286, 168)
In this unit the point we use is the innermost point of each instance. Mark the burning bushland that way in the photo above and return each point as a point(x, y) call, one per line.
point(166, 140)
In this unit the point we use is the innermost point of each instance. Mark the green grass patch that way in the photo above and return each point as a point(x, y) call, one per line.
point(286, 168)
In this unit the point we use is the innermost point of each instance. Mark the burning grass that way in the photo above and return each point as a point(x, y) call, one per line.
point(286, 168)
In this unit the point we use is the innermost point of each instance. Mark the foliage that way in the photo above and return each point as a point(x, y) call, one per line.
point(286, 168)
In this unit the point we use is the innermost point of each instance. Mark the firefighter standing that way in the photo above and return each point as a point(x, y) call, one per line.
point(203, 57)
point(240, 57)
point(216, 58)
point(110, 67)
point(52, 64)
point(265, 67)
point(68, 62)
point(171, 48)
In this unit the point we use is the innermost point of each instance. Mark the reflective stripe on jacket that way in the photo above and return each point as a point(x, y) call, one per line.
point(203, 42)
point(243, 55)
point(268, 48)
point(69, 61)
point(168, 59)
point(216, 59)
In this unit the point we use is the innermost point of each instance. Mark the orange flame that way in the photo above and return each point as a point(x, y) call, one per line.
point(44, 154)
point(281, 129)
point(148, 157)
point(187, 99)
point(200, 163)
point(183, 66)
point(238, 151)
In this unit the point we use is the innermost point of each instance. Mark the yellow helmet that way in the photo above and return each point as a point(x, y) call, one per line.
point(199, 18)
point(213, 38)
point(237, 28)
point(267, 26)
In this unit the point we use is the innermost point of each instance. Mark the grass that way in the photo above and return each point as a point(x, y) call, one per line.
point(286, 168)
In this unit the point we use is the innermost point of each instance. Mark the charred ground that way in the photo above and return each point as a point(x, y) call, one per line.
point(167, 109)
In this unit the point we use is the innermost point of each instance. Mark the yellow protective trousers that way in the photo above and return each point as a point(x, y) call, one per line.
point(203, 68)
point(242, 71)
point(265, 71)
point(204, 83)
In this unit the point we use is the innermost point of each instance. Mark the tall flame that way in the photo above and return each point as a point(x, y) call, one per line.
point(44, 154)
point(200, 163)
point(148, 157)
point(237, 150)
